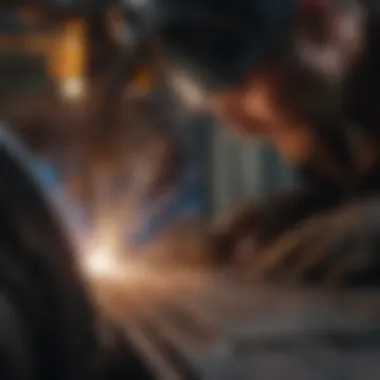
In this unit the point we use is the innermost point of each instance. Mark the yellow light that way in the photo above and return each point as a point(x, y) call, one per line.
point(69, 53)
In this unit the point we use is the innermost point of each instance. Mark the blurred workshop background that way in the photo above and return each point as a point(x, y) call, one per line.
point(100, 131)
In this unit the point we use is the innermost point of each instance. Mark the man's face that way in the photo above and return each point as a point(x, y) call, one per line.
point(281, 100)
point(256, 108)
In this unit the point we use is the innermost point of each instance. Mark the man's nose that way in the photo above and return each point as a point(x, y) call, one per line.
point(258, 101)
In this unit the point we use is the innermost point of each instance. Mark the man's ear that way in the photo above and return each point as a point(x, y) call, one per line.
point(330, 35)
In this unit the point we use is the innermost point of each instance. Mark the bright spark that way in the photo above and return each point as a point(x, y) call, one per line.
point(101, 263)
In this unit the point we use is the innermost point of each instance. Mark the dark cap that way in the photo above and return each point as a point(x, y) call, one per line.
point(214, 41)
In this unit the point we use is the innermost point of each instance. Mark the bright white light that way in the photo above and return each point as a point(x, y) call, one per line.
point(100, 263)
point(73, 88)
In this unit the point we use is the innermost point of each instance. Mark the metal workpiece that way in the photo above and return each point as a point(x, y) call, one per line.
point(222, 328)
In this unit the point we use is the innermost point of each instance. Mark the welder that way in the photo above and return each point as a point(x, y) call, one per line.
point(282, 70)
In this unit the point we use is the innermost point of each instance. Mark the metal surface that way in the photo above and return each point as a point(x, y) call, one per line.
point(218, 324)
point(223, 328)
point(38, 272)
